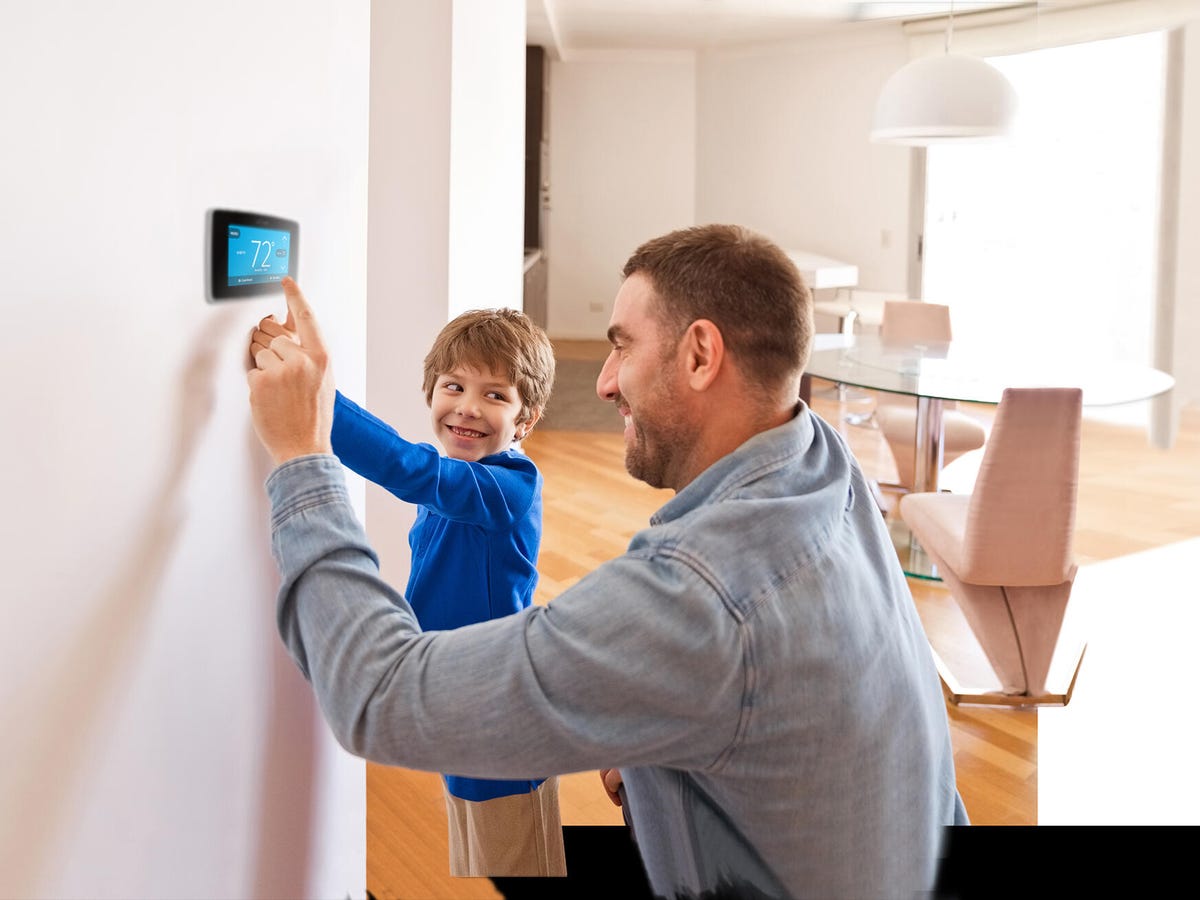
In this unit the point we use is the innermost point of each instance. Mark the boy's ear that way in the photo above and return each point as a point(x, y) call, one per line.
point(526, 425)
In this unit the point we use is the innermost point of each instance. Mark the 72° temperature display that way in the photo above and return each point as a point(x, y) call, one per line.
point(257, 255)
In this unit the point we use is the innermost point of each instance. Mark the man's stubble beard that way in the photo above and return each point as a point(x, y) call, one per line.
point(654, 457)
point(657, 448)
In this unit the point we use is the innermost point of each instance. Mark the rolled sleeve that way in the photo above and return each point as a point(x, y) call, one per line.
point(330, 594)
point(560, 688)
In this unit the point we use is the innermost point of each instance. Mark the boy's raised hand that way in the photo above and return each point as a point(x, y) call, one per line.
point(291, 384)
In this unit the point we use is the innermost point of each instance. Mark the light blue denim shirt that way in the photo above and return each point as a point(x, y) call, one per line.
point(753, 664)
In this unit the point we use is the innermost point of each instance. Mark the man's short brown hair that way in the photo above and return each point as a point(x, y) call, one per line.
point(743, 283)
point(503, 340)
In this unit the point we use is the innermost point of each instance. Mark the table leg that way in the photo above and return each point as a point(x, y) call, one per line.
point(928, 464)
point(929, 444)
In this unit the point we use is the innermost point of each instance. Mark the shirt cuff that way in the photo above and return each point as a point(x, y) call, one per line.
point(304, 482)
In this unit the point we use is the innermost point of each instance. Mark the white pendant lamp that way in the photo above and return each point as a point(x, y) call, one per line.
point(940, 99)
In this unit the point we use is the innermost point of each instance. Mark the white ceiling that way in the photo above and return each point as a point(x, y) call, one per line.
point(568, 27)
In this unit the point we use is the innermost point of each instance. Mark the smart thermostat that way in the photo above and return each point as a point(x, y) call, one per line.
point(249, 253)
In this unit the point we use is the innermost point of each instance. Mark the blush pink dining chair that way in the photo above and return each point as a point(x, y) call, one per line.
point(914, 322)
point(1005, 549)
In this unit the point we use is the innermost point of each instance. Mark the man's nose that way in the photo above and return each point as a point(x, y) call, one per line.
point(606, 382)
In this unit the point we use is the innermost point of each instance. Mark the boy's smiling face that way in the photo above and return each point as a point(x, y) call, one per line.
point(475, 413)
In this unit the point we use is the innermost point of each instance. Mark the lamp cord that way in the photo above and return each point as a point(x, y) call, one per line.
point(950, 27)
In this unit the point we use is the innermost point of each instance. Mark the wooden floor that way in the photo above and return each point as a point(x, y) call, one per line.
point(1132, 496)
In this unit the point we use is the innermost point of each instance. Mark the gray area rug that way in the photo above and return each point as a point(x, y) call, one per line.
point(574, 405)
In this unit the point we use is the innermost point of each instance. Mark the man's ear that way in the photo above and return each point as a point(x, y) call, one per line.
point(704, 353)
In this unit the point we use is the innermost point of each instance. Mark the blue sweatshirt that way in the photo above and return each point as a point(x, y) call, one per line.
point(474, 543)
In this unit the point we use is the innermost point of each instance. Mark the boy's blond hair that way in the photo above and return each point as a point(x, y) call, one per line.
point(503, 340)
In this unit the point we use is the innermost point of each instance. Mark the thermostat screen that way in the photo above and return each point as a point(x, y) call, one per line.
point(257, 255)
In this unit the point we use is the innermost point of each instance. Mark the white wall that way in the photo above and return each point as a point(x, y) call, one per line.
point(487, 147)
point(157, 743)
point(640, 145)
point(622, 151)
point(446, 226)
point(408, 233)
point(781, 146)
point(1187, 274)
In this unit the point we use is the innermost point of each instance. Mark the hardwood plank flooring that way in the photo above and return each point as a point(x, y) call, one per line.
point(1132, 496)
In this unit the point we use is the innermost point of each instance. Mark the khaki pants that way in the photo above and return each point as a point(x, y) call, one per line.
point(514, 837)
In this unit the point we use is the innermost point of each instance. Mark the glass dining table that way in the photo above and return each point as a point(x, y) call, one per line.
point(935, 372)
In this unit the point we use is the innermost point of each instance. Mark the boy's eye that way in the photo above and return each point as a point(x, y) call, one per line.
point(498, 395)
point(452, 386)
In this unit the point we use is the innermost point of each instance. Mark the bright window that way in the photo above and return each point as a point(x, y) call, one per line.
point(1047, 240)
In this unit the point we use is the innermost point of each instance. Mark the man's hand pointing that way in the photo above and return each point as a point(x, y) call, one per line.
point(291, 384)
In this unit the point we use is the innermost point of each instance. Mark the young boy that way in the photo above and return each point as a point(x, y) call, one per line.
point(474, 543)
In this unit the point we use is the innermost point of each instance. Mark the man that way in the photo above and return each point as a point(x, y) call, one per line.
point(753, 665)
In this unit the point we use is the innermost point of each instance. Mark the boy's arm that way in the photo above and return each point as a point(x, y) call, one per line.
point(361, 441)
point(491, 496)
